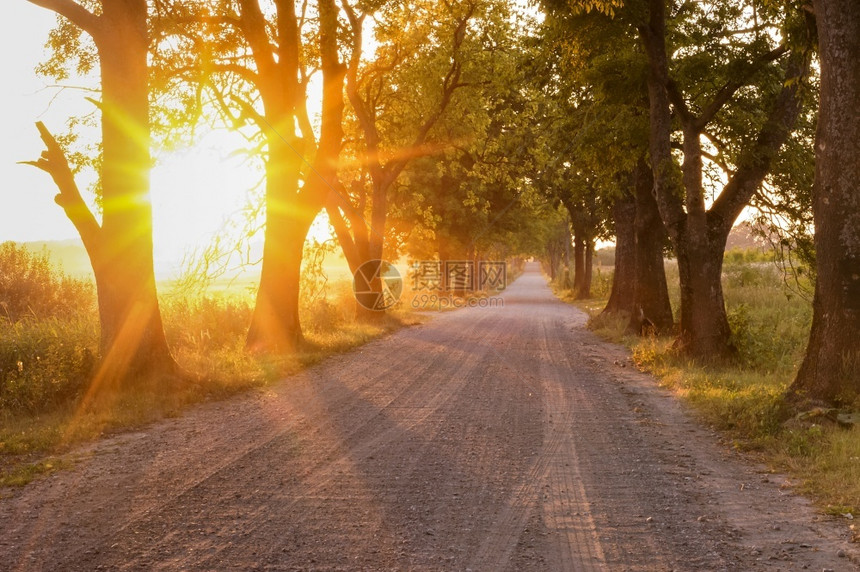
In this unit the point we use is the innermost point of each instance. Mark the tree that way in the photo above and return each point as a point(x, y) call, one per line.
point(120, 245)
point(699, 233)
point(651, 304)
point(831, 368)
point(593, 76)
point(256, 64)
point(390, 135)
point(474, 199)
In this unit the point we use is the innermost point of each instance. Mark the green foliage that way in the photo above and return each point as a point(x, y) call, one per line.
point(770, 326)
point(770, 323)
point(22, 473)
point(601, 283)
point(48, 356)
point(737, 257)
point(470, 193)
point(45, 364)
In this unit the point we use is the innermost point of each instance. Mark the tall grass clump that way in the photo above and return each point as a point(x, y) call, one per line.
point(770, 325)
point(48, 333)
point(49, 337)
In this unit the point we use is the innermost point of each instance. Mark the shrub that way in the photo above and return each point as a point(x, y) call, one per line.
point(48, 332)
point(46, 363)
point(601, 283)
point(31, 286)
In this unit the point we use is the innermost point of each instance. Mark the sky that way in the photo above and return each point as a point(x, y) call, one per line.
point(27, 210)
point(195, 192)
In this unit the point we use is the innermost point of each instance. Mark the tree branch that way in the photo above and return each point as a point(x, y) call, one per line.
point(75, 13)
point(53, 161)
point(450, 84)
point(738, 81)
point(359, 104)
point(247, 110)
point(254, 25)
point(227, 68)
point(341, 230)
point(755, 163)
point(678, 102)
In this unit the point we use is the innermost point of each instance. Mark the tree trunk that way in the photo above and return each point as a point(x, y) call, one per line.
point(132, 342)
point(584, 290)
point(554, 256)
point(566, 256)
point(651, 307)
point(291, 209)
point(132, 334)
point(621, 296)
point(275, 324)
point(578, 256)
point(705, 334)
point(831, 369)
point(698, 234)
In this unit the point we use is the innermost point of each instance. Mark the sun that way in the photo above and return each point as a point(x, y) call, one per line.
point(202, 191)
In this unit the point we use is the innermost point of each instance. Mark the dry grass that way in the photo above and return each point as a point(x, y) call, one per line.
point(46, 364)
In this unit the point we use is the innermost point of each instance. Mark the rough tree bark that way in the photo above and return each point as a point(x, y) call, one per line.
point(624, 277)
point(290, 208)
point(582, 221)
point(578, 255)
point(566, 283)
point(651, 306)
point(585, 288)
point(120, 248)
point(831, 369)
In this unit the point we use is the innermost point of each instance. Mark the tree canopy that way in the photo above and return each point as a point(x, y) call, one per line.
point(474, 129)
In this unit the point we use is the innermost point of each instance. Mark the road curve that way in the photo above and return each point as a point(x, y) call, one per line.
point(504, 438)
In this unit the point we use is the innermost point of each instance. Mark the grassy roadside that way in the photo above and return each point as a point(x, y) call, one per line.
point(743, 399)
point(49, 340)
point(45, 365)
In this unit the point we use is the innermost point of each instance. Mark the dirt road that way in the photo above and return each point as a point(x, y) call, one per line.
point(487, 439)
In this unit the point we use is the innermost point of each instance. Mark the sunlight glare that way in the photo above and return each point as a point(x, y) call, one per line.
point(196, 192)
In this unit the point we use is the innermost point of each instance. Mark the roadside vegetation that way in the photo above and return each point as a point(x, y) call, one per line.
point(49, 336)
point(744, 397)
point(49, 343)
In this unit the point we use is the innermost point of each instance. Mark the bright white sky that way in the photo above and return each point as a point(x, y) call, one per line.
point(27, 210)
point(193, 190)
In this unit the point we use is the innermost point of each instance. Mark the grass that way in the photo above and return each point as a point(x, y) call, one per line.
point(770, 323)
point(47, 357)
point(49, 344)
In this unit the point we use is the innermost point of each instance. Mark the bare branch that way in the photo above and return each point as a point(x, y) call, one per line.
point(75, 13)
point(54, 162)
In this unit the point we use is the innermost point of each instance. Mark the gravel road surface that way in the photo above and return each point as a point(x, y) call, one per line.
point(506, 438)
